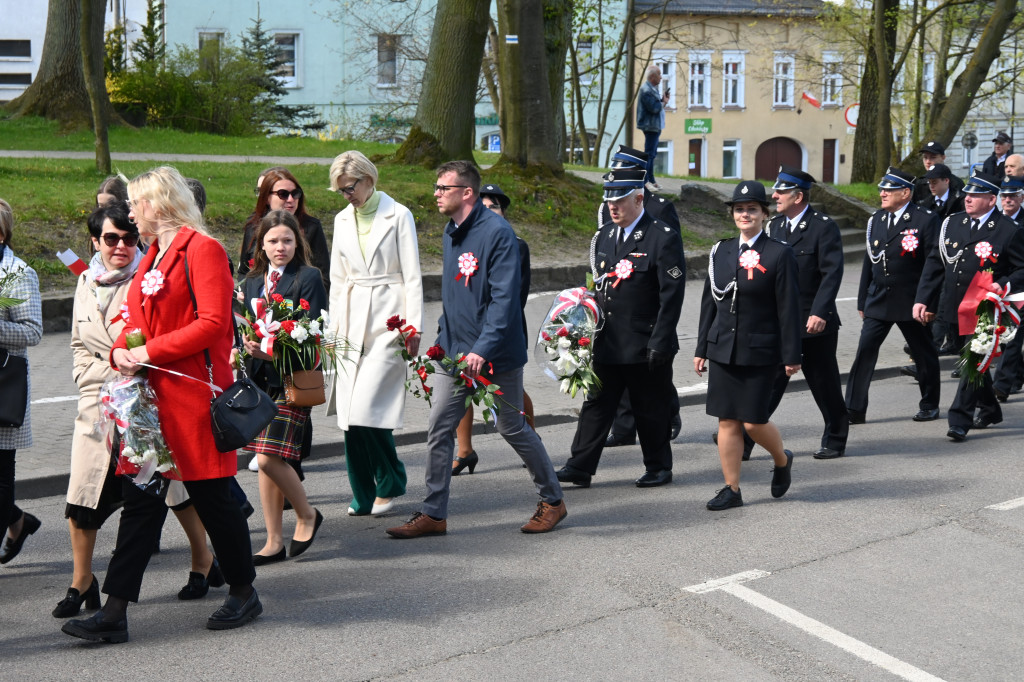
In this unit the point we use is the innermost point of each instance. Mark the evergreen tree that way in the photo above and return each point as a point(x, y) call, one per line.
point(149, 49)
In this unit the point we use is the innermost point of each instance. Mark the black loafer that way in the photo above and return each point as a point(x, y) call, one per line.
point(908, 371)
point(726, 498)
point(856, 416)
point(199, 585)
point(569, 475)
point(955, 373)
point(614, 441)
point(927, 415)
point(781, 476)
point(652, 479)
point(981, 423)
point(95, 629)
point(676, 427)
point(235, 613)
point(1001, 396)
point(957, 434)
point(12, 546)
point(828, 453)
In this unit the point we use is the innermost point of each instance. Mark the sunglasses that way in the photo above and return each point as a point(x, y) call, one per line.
point(283, 194)
point(112, 238)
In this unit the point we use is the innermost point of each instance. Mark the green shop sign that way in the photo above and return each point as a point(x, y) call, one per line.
point(698, 126)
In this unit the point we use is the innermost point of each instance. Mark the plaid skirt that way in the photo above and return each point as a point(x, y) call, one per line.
point(283, 436)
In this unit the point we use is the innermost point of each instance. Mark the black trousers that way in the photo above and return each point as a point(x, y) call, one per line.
point(922, 348)
point(968, 397)
point(143, 517)
point(821, 369)
point(650, 393)
point(1010, 374)
point(9, 512)
point(624, 424)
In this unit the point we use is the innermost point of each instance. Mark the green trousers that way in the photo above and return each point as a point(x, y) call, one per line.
point(374, 469)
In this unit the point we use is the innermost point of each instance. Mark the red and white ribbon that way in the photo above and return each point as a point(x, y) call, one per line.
point(749, 260)
point(909, 244)
point(1001, 306)
point(572, 297)
point(266, 328)
point(623, 270)
point(983, 250)
point(468, 264)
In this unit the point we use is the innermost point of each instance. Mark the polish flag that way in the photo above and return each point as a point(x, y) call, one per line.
point(811, 100)
point(74, 263)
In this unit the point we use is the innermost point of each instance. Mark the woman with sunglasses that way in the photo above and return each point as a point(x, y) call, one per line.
point(94, 492)
point(375, 269)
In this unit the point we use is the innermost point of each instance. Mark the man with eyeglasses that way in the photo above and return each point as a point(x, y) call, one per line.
point(981, 238)
point(480, 319)
point(900, 237)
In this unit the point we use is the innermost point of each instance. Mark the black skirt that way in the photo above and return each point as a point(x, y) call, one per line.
point(740, 392)
point(111, 498)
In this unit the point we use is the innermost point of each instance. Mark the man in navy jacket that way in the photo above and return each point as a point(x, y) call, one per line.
point(482, 320)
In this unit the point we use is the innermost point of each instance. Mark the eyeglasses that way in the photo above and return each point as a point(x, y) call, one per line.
point(112, 238)
point(348, 191)
point(130, 203)
point(283, 194)
point(444, 188)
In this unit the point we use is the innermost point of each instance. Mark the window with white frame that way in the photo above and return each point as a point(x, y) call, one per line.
point(288, 51)
point(15, 50)
point(831, 80)
point(209, 48)
point(666, 61)
point(585, 59)
point(782, 92)
point(731, 159)
point(663, 163)
point(732, 79)
point(700, 80)
point(387, 60)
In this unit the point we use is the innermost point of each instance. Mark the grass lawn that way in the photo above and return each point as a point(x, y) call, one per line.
point(865, 191)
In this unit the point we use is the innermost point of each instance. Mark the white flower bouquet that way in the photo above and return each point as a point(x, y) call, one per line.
point(130, 420)
point(565, 342)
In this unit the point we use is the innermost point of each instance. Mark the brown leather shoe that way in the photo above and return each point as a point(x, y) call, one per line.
point(545, 518)
point(419, 525)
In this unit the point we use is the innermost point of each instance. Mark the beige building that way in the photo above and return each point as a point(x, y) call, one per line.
point(752, 85)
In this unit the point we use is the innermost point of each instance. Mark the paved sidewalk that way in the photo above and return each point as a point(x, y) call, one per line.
point(43, 468)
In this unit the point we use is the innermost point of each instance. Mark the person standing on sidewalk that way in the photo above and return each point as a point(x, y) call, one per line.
point(480, 318)
point(818, 246)
point(900, 236)
point(650, 118)
point(981, 238)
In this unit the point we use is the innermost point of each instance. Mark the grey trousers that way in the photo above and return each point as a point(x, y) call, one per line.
point(448, 408)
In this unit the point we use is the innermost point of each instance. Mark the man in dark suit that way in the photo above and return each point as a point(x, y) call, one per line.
point(624, 427)
point(981, 238)
point(933, 154)
point(818, 246)
point(995, 164)
point(899, 238)
point(944, 199)
point(1010, 376)
point(639, 270)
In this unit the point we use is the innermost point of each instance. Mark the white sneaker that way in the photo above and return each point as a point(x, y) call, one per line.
point(253, 464)
point(653, 187)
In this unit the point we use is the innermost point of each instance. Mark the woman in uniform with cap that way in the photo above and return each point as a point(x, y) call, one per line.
point(750, 323)
point(465, 456)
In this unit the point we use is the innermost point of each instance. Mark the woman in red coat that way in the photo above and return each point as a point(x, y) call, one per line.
point(176, 333)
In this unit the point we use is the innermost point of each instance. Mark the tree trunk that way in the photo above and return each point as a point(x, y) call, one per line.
point(58, 91)
point(885, 25)
point(445, 115)
point(951, 116)
point(93, 12)
point(863, 169)
point(557, 19)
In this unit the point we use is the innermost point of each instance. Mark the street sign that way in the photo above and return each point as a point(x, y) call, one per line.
point(851, 114)
point(969, 140)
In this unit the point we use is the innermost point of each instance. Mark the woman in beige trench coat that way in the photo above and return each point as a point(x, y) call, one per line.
point(375, 274)
point(94, 493)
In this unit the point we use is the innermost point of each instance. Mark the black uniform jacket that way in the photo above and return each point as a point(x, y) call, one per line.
point(641, 310)
point(894, 261)
point(297, 282)
point(954, 204)
point(923, 191)
point(764, 327)
point(998, 236)
point(819, 258)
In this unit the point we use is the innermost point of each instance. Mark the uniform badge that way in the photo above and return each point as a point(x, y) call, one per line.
point(674, 272)
point(637, 254)
point(955, 244)
point(602, 265)
point(906, 216)
point(638, 234)
point(802, 225)
point(744, 190)
point(991, 224)
point(876, 242)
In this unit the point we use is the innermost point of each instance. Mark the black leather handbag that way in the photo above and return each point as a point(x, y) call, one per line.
point(243, 410)
point(13, 389)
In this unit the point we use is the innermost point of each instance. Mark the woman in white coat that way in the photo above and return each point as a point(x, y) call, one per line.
point(375, 274)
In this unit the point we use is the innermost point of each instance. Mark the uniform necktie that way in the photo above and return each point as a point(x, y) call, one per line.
point(274, 277)
point(622, 235)
point(938, 203)
point(974, 224)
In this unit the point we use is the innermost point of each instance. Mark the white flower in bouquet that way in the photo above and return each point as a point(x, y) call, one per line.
point(299, 333)
point(566, 364)
point(550, 352)
point(165, 466)
point(582, 354)
point(1008, 335)
point(325, 318)
point(564, 343)
point(314, 328)
point(565, 385)
point(981, 344)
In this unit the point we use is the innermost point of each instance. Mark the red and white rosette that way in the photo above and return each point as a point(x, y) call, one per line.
point(983, 250)
point(152, 282)
point(909, 244)
point(468, 264)
point(751, 260)
point(623, 270)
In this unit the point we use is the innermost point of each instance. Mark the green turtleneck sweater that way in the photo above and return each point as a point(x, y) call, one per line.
point(364, 219)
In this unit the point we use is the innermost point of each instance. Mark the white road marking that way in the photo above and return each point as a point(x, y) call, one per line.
point(844, 300)
point(696, 388)
point(1008, 505)
point(731, 585)
point(60, 399)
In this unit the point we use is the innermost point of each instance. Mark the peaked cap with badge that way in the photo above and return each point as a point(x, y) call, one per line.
point(627, 158)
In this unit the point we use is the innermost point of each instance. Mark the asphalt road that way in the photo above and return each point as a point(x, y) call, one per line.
point(889, 559)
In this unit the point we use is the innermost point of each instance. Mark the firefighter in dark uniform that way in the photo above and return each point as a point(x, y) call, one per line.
point(640, 273)
point(945, 198)
point(900, 238)
point(981, 238)
point(1010, 376)
point(624, 427)
point(933, 154)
